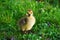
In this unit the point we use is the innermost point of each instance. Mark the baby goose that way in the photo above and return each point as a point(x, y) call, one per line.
point(26, 23)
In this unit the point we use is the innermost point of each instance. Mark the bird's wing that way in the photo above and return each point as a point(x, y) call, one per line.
point(23, 21)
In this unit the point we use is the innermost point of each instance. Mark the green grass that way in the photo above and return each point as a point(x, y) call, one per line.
point(47, 26)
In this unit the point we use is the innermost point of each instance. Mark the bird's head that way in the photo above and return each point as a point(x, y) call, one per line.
point(29, 13)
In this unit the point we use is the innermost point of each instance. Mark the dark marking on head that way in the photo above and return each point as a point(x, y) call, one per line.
point(28, 14)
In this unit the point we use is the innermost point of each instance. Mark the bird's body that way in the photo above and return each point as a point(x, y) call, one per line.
point(27, 22)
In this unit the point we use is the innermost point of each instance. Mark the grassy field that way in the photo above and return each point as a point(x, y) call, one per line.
point(47, 26)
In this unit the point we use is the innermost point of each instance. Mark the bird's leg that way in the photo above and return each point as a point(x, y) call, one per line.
point(25, 31)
